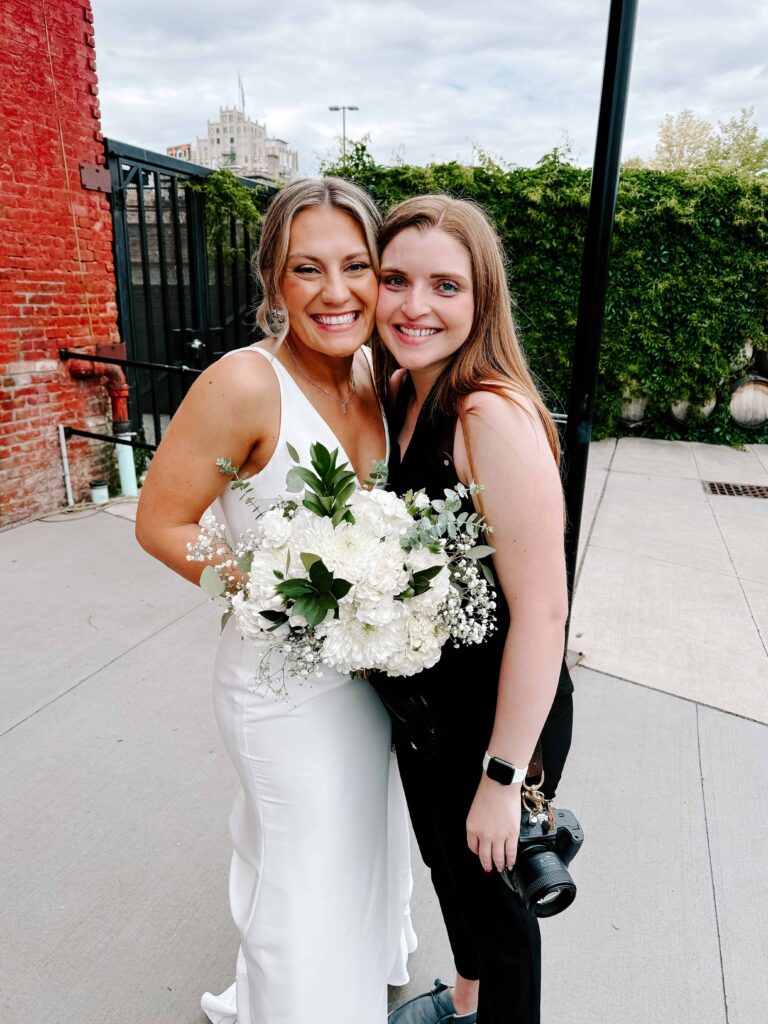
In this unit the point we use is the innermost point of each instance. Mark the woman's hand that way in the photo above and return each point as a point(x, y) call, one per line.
point(493, 824)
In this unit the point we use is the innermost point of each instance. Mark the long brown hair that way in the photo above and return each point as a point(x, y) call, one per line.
point(272, 256)
point(491, 358)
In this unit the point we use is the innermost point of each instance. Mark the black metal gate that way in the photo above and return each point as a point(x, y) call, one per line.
point(181, 303)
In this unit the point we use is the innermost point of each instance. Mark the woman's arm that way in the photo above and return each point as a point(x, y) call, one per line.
point(232, 411)
point(523, 502)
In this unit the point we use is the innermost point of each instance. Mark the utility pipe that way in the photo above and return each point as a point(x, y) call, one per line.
point(118, 391)
point(65, 463)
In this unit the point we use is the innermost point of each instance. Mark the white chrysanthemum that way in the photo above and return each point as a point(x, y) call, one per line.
point(310, 534)
point(379, 512)
point(252, 625)
point(423, 641)
point(350, 644)
point(374, 567)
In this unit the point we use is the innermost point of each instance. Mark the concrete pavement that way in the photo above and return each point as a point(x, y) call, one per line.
point(116, 791)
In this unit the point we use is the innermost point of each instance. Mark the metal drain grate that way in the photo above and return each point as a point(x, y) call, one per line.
point(737, 490)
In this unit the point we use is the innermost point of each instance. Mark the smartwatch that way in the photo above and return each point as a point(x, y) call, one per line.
point(503, 772)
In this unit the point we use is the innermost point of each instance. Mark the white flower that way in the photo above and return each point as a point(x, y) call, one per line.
point(380, 512)
point(350, 644)
point(373, 566)
point(274, 529)
point(421, 501)
point(252, 625)
point(423, 642)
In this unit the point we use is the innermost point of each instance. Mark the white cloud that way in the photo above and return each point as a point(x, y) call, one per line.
point(431, 78)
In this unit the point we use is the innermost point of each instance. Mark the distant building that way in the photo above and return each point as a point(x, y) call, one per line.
point(183, 152)
point(236, 142)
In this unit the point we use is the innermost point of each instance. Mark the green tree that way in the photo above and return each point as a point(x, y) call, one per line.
point(686, 142)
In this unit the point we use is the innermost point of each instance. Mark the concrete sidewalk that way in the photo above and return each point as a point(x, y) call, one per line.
point(117, 791)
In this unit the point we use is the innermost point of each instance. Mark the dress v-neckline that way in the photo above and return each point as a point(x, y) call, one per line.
point(326, 424)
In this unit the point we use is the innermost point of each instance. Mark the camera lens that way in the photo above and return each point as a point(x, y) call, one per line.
point(543, 882)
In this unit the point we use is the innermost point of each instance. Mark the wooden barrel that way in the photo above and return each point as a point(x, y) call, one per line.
point(680, 410)
point(749, 401)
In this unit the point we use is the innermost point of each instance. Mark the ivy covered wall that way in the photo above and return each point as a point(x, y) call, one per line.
point(688, 285)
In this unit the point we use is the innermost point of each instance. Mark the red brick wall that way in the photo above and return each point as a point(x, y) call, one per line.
point(56, 273)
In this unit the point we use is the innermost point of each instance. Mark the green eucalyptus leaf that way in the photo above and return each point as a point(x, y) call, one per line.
point(479, 551)
point(294, 481)
point(245, 561)
point(211, 582)
point(488, 573)
point(225, 618)
point(292, 451)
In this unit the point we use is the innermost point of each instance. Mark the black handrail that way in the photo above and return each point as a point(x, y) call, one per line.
point(66, 353)
point(74, 432)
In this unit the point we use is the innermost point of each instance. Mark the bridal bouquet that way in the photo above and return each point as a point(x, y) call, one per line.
point(357, 579)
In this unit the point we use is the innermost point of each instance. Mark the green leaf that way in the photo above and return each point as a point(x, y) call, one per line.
point(340, 588)
point(479, 551)
point(342, 497)
point(245, 561)
point(294, 588)
point(225, 618)
point(314, 506)
point(309, 479)
point(293, 481)
point(338, 515)
point(308, 559)
point(320, 575)
point(312, 610)
point(292, 451)
point(488, 573)
point(425, 575)
point(211, 582)
point(274, 616)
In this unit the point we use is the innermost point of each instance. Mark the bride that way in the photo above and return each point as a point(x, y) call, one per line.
point(320, 872)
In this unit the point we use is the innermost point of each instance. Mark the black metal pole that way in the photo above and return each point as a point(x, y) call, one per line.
point(594, 268)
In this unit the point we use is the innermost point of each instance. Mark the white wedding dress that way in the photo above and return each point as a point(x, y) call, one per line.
point(320, 875)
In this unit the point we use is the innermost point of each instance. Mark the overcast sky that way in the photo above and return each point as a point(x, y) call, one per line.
point(431, 78)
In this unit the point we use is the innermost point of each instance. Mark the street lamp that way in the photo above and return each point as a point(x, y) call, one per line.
point(344, 110)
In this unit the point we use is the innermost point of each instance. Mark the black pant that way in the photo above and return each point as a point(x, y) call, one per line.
point(493, 937)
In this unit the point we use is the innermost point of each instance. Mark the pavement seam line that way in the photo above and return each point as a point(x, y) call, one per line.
point(101, 668)
point(668, 561)
point(667, 693)
point(730, 558)
point(711, 870)
point(594, 520)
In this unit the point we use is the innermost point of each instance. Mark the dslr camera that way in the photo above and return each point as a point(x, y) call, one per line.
point(549, 840)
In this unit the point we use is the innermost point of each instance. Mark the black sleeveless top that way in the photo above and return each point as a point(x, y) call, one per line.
point(459, 692)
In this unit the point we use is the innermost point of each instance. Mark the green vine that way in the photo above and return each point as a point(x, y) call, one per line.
point(227, 199)
point(688, 281)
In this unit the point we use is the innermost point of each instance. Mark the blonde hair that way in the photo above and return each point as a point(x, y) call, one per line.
point(491, 358)
point(272, 255)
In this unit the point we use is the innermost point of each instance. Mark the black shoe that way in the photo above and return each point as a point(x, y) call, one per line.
point(435, 1007)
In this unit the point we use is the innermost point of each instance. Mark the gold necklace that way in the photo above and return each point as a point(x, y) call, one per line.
point(343, 402)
